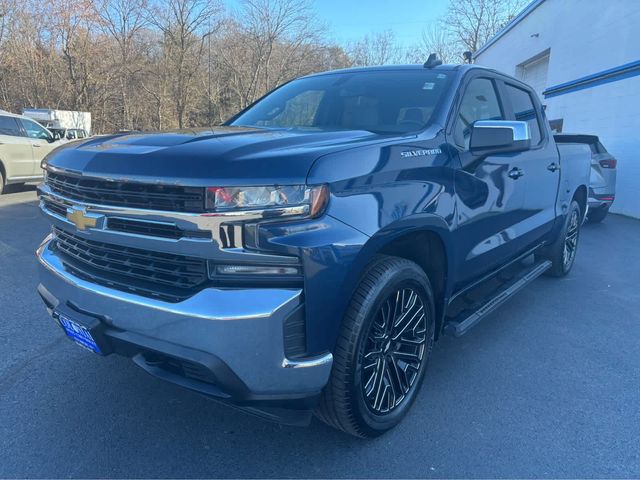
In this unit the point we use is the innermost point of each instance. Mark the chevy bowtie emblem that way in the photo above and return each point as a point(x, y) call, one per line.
point(81, 219)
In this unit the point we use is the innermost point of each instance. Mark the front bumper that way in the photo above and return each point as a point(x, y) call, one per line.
point(225, 343)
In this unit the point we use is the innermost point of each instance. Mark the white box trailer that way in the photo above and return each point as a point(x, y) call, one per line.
point(60, 119)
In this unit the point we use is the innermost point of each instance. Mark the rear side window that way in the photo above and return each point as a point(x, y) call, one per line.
point(9, 126)
point(524, 111)
point(597, 148)
point(480, 102)
point(580, 150)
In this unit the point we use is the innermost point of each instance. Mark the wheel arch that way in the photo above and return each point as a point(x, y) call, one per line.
point(426, 242)
point(427, 249)
point(3, 170)
point(580, 196)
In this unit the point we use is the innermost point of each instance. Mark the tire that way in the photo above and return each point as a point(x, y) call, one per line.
point(1, 183)
point(596, 215)
point(379, 363)
point(562, 252)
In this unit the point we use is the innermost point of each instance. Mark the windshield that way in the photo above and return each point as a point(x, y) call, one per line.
point(381, 102)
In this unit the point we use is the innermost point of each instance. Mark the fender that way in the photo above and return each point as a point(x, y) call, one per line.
point(3, 169)
point(396, 230)
point(386, 236)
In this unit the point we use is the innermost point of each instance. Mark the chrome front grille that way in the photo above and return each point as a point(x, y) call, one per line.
point(127, 194)
point(59, 209)
point(154, 229)
point(147, 228)
point(166, 276)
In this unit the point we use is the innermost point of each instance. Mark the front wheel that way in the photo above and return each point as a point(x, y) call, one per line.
point(382, 351)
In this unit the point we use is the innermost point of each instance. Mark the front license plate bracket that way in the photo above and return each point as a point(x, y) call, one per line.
point(86, 331)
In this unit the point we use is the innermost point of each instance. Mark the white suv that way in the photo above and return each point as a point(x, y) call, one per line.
point(23, 145)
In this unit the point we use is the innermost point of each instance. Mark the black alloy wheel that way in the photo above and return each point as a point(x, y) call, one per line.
point(571, 240)
point(393, 351)
point(382, 350)
point(562, 252)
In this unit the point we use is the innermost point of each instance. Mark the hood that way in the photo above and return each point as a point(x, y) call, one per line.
point(225, 156)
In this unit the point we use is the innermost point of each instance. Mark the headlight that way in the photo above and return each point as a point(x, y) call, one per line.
point(276, 198)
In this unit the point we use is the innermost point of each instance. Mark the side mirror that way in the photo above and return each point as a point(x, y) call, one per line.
point(499, 136)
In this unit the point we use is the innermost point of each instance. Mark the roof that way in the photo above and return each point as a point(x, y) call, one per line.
point(504, 30)
point(575, 138)
point(382, 68)
point(9, 114)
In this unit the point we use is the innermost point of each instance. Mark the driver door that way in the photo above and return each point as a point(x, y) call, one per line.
point(41, 143)
point(489, 202)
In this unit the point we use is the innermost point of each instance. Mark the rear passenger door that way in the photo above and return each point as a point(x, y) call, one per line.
point(489, 202)
point(540, 164)
point(15, 149)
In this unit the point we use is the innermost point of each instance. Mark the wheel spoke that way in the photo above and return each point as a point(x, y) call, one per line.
point(379, 383)
point(409, 319)
point(407, 356)
point(372, 354)
point(399, 376)
point(394, 349)
point(394, 389)
point(370, 384)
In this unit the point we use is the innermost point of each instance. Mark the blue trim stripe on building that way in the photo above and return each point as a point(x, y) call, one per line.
point(615, 74)
point(516, 20)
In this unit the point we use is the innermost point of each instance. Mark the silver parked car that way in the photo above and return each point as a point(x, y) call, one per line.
point(23, 145)
point(602, 185)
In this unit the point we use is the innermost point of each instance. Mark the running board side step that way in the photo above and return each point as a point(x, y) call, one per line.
point(461, 325)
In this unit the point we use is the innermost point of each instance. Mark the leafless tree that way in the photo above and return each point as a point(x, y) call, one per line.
point(436, 39)
point(268, 45)
point(7, 10)
point(379, 48)
point(472, 22)
point(160, 64)
point(123, 20)
point(185, 26)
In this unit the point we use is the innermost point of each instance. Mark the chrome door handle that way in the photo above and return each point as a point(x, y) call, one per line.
point(553, 167)
point(36, 145)
point(515, 173)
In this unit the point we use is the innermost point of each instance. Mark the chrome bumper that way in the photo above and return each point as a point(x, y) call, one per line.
point(242, 328)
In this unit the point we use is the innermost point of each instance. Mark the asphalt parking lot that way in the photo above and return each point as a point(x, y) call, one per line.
point(548, 386)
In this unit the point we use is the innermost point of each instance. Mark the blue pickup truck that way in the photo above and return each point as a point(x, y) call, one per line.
point(303, 257)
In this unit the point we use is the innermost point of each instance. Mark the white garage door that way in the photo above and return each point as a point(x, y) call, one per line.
point(535, 74)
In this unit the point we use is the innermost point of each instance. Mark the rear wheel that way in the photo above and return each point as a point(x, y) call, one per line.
point(563, 252)
point(382, 351)
point(1, 183)
point(596, 215)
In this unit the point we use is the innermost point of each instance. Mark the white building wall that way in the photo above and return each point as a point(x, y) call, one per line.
point(585, 37)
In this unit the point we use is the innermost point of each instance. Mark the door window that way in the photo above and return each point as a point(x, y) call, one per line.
point(480, 102)
point(524, 110)
point(9, 126)
point(34, 130)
